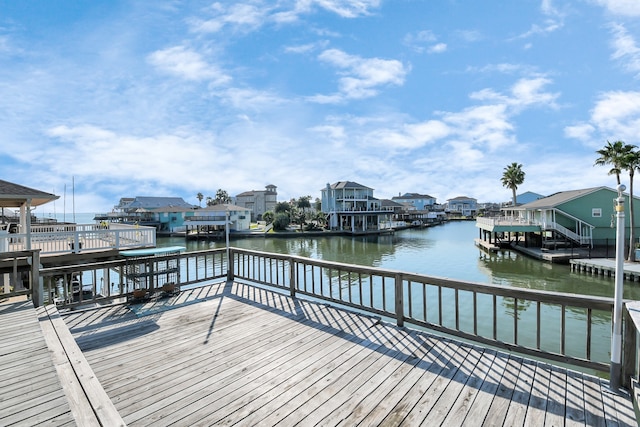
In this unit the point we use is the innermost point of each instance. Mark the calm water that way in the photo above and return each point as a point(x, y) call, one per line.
point(445, 251)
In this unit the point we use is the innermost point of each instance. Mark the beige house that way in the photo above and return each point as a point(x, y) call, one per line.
point(258, 202)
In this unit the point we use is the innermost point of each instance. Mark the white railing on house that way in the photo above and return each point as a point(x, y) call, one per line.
point(583, 240)
point(544, 226)
point(75, 238)
point(504, 221)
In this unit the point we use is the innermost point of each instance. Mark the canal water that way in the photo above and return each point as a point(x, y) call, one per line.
point(447, 250)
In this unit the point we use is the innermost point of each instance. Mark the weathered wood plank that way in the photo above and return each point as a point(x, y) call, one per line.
point(97, 398)
point(480, 407)
point(467, 396)
point(30, 390)
point(556, 407)
point(500, 403)
point(379, 400)
point(250, 356)
point(537, 409)
point(246, 372)
point(574, 400)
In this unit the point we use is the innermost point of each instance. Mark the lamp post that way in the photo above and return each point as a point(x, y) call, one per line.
point(616, 333)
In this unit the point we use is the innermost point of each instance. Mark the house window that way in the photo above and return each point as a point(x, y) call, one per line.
point(596, 212)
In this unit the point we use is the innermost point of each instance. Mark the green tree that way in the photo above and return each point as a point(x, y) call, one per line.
point(614, 154)
point(281, 221)
point(631, 162)
point(282, 207)
point(222, 197)
point(199, 196)
point(621, 157)
point(512, 177)
point(210, 201)
point(268, 217)
point(303, 203)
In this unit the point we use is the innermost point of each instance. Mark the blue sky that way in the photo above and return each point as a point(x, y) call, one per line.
point(172, 98)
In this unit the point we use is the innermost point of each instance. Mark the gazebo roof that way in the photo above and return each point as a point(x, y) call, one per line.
point(14, 195)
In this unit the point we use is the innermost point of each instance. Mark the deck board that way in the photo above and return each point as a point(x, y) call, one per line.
point(30, 390)
point(235, 354)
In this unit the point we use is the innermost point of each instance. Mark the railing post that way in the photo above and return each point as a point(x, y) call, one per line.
point(399, 300)
point(37, 284)
point(292, 278)
point(230, 263)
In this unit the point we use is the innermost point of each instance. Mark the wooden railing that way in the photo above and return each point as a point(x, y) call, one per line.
point(567, 328)
point(561, 327)
point(74, 238)
point(20, 275)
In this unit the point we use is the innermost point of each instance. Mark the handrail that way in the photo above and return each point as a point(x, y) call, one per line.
point(561, 327)
point(445, 305)
point(74, 238)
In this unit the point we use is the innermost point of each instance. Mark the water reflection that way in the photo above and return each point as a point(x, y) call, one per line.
point(442, 251)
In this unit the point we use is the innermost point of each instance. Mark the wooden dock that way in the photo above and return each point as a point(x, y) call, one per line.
point(605, 267)
point(235, 354)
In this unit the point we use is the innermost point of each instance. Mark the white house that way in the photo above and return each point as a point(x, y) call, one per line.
point(462, 205)
point(352, 207)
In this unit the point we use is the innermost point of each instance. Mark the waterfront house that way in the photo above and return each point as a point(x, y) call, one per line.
point(163, 213)
point(352, 207)
point(462, 206)
point(420, 202)
point(258, 202)
point(569, 218)
point(526, 197)
point(210, 222)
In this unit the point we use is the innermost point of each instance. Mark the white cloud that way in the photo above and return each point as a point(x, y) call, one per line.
point(361, 77)
point(348, 8)
point(625, 49)
point(615, 116)
point(525, 92)
point(583, 131)
point(188, 64)
point(630, 8)
point(251, 16)
point(438, 48)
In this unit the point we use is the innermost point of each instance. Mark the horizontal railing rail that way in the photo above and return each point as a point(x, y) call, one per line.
point(555, 326)
point(90, 283)
point(74, 238)
point(561, 327)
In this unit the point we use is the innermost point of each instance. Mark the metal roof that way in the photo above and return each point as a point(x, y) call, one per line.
point(559, 198)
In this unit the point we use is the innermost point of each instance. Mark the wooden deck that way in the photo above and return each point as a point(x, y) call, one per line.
point(30, 389)
point(234, 354)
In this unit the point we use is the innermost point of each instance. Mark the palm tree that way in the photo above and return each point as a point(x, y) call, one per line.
point(621, 157)
point(614, 154)
point(512, 177)
point(631, 162)
point(199, 196)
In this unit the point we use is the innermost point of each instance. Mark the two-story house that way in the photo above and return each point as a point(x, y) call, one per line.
point(352, 207)
point(258, 202)
point(462, 206)
point(420, 202)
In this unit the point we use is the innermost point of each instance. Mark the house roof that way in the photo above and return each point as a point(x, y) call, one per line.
point(460, 198)
point(347, 184)
point(14, 195)
point(413, 196)
point(559, 198)
point(157, 202)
